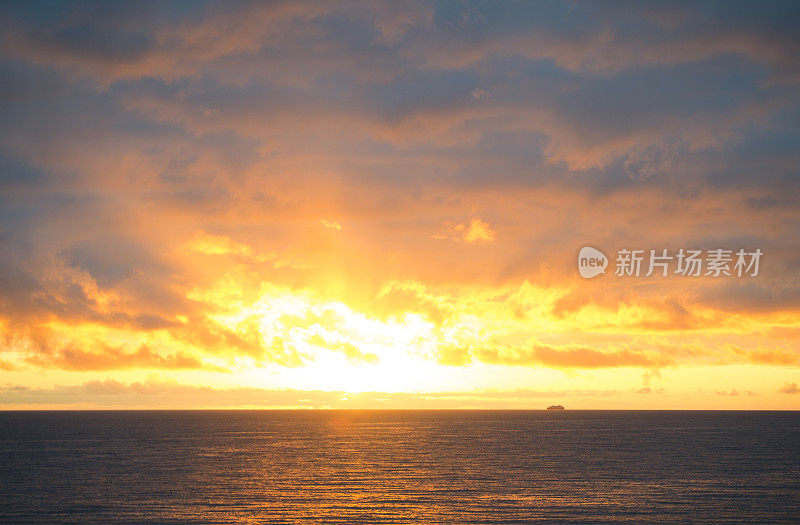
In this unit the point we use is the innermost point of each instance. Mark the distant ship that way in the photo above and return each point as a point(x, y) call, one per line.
point(555, 407)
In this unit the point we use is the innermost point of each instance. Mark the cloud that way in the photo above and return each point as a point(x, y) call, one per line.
point(207, 244)
point(588, 358)
point(134, 46)
point(753, 296)
point(553, 357)
point(331, 224)
point(106, 357)
point(353, 354)
point(789, 388)
point(773, 357)
point(476, 231)
point(734, 393)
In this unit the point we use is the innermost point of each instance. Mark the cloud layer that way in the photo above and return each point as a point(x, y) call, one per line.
point(207, 188)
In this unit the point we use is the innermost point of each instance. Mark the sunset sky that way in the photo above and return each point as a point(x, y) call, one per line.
point(380, 204)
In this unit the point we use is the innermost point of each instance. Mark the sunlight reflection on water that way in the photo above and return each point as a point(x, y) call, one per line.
point(399, 466)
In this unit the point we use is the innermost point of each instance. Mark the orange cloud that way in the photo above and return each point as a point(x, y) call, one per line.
point(476, 230)
point(110, 358)
point(216, 245)
point(789, 388)
point(571, 357)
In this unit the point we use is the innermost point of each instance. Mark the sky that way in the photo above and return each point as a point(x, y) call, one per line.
point(381, 204)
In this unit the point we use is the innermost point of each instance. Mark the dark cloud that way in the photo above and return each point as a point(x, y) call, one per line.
point(750, 297)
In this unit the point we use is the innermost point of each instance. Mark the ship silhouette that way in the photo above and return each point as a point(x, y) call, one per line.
point(555, 407)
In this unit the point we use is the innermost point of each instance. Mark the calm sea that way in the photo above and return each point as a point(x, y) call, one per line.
point(399, 466)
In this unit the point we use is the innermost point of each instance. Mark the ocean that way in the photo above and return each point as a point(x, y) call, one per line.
point(399, 466)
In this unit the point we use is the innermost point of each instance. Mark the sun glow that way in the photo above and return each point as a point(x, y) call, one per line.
point(404, 338)
point(326, 344)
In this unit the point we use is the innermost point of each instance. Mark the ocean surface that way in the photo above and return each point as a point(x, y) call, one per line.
point(399, 466)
